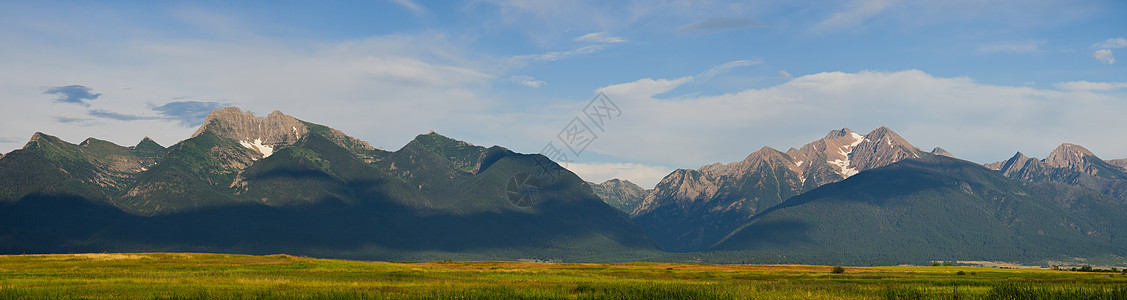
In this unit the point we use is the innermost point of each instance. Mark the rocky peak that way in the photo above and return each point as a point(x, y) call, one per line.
point(844, 132)
point(621, 194)
point(942, 152)
point(259, 134)
point(682, 187)
point(996, 166)
point(1069, 156)
point(148, 143)
point(1016, 163)
point(847, 152)
point(1121, 163)
point(38, 139)
point(753, 160)
point(834, 149)
point(881, 147)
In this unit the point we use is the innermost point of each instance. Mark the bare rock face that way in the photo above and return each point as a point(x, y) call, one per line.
point(1019, 163)
point(942, 152)
point(996, 166)
point(834, 149)
point(621, 194)
point(1070, 164)
point(848, 153)
point(1121, 163)
point(682, 187)
point(259, 134)
point(1071, 156)
point(881, 147)
point(842, 153)
point(691, 209)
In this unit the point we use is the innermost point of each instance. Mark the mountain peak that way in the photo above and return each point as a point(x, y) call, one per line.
point(764, 155)
point(881, 147)
point(884, 132)
point(1068, 156)
point(38, 138)
point(942, 152)
point(259, 134)
point(616, 181)
point(1122, 163)
point(838, 133)
point(434, 141)
point(148, 143)
point(1015, 164)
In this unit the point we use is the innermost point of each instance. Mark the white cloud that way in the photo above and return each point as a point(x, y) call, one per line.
point(784, 74)
point(558, 55)
point(1020, 47)
point(1104, 56)
point(383, 89)
point(599, 37)
point(412, 6)
point(855, 14)
point(644, 88)
point(645, 176)
point(980, 122)
point(1112, 43)
point(528, 81)
point(1091, 86)
point(724, 68)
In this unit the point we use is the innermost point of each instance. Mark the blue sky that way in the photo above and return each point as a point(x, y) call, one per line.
point(697, 81)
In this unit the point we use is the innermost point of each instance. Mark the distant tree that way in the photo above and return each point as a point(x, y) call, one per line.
point(838, 270)
point(935, 264)
point(961, 273)
point(946, 264)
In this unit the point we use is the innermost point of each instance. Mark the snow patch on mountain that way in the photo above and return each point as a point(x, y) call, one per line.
point(265, 150)
point(846, 151)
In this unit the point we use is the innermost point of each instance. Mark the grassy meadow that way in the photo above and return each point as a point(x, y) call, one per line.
point(221, 276)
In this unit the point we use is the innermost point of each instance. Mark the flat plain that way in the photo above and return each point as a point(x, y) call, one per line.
point(224, 276)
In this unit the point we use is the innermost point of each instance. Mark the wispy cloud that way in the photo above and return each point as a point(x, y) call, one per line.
point(599, 37)
point(188, 113)
point(646, 176)
point(100, 113)
point(1112, 43)
point(1090, 86)
point(721, 24)
point(412, 6)
point(784, 74)
point(1104, 56)
point(558, 55)
point(981, 122)
point(854, 15)
point(76, 94)
point(528, 81)
point(724, 68)
point(70, 119)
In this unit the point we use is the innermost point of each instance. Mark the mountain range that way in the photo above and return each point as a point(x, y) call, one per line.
point(876, 199)
point(277, 184)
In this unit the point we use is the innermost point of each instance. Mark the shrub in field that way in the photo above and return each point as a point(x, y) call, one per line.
point(838, 270)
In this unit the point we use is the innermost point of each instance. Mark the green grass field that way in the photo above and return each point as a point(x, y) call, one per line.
point(219, 276)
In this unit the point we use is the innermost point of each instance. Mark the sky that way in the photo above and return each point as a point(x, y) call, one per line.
point(683, 83)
